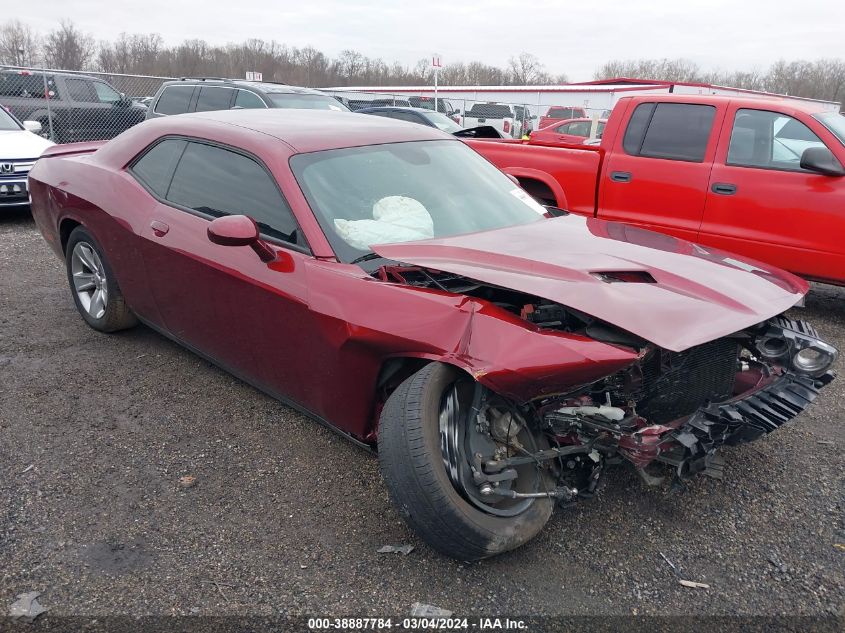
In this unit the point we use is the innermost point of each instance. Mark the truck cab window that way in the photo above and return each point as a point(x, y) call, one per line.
point(673, 131)
point(769, 140)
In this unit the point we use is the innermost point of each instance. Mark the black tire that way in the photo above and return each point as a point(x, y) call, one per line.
point(116, 315)
point(412, 466)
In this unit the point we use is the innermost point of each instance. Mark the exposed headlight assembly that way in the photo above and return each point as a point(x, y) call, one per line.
point(796, 343)
point(815, 359)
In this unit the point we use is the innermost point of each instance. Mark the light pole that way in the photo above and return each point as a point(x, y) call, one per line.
point(436, 64)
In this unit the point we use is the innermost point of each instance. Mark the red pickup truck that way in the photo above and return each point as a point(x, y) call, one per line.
point(758, 177)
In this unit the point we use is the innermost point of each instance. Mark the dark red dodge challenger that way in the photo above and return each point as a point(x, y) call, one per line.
point(385, 279)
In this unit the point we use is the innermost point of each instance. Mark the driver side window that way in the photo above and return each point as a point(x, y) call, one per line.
point(216, 181)
point(769, 140)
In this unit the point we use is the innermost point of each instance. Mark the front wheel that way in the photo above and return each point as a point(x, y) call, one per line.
point(427, 443)
point(95, 290)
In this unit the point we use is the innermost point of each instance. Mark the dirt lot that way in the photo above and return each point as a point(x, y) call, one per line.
point(96, 430)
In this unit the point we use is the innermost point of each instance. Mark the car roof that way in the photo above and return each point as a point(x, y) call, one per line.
point(259, 86)
point(316, 130)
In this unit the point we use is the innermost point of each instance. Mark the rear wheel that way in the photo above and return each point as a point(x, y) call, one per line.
point(427, 443)
point(95, 290)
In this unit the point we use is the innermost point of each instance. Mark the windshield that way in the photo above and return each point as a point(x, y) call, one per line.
point(403, 192)
point(7, 122)
point(442, 122)
point(305, 101)
point(835, 122)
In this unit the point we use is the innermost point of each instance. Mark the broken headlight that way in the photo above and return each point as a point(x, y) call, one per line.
point(815, 359)
point(796, 343)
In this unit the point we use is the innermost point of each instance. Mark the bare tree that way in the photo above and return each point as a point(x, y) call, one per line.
point(525, 69)
point(480, 74)
point(350, 64)
point(67, 47)
point(19, 44)
point(661, 69)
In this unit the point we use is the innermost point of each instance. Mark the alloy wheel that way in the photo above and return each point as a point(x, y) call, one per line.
point(89, 279)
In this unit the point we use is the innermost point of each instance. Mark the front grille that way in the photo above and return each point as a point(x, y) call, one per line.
point(15, 169)
point(675, 384)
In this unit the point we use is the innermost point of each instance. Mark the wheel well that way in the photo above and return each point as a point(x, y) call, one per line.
point(395, 370)
point(65, 229)
point(538, 190)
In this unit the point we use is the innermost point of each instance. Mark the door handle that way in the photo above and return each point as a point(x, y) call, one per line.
point(620, 176)
point(159, 228)
point(723, 188)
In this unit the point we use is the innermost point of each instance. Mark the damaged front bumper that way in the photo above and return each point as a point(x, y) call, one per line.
point(680, 408)
point(727, 424)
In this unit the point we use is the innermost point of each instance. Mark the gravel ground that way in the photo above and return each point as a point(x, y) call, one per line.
point(96, 431)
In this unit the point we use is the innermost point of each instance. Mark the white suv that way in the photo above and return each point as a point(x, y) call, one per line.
point(20, 147)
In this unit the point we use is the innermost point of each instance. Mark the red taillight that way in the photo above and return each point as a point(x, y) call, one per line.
point(507, 127)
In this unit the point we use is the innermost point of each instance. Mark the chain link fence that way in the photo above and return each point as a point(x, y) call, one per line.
point(74, 106)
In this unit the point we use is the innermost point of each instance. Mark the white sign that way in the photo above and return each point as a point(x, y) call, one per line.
point(253, 76)
point(435, 61)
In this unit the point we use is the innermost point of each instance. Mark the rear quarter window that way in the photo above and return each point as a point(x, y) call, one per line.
point(174, 100)
point(155, 167)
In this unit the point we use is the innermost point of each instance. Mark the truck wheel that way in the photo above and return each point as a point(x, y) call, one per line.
point(414, 457)
point(94, 287)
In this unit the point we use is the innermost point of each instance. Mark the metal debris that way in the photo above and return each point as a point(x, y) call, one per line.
point(395, 549)
point(27, 469)
point(188, 481)
point(27, 606)
point(669, 562)
point(420, 610)
point(825, 442)
point(694, 585)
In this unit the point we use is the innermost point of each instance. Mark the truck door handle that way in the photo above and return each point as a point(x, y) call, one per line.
point(620, 176)
point(723, 188)
point(160, 229)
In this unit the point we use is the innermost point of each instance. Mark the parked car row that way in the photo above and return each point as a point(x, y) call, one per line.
point(388, 281)
point(73, 107)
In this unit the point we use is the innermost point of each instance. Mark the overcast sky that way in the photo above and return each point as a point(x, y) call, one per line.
point(572, 37)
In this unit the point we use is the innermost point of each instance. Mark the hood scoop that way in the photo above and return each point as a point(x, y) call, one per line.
point(625, 277)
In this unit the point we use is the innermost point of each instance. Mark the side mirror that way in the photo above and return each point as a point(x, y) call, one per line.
point(33, 126)
point(239, 230)
point(822, 161)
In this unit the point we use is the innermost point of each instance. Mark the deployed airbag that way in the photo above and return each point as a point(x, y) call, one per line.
point(395, 219)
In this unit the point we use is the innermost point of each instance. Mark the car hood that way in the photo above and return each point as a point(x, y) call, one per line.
point(16, 144)
point(677, 294)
